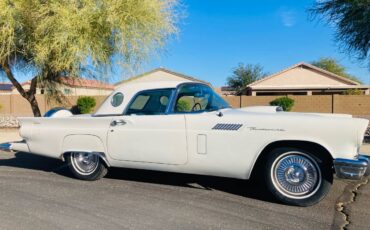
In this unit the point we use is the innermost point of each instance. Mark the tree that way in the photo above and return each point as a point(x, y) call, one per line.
point(351, 19)
point(353, 92)
point(332, 65)
point(243, 75)
point(67, 38)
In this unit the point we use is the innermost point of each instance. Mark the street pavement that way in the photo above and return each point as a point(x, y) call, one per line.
point(39, 193)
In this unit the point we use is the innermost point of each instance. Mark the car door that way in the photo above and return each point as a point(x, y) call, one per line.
point(146, 133)
point(216, 143)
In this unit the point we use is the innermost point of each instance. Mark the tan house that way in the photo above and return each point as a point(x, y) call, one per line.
point(160, 74)
point(75, 87)
point(302, 79)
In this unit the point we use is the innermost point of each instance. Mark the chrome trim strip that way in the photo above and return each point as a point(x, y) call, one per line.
point(223, 126)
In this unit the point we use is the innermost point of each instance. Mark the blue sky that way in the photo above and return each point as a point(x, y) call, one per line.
point(216, 35)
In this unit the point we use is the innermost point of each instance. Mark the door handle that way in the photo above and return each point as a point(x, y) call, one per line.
point(117, 122)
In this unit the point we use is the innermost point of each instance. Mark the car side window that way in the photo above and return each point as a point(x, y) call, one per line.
point(194, 98)
point(151, 102)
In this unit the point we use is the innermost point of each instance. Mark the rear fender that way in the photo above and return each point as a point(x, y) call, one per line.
point(84, 143)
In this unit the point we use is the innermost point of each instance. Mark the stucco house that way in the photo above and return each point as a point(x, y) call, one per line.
point(160, 74)
point(303, 79)
point(75, 87)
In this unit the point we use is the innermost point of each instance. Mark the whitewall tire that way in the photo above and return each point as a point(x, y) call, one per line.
point(86, 166)
point(297, 177)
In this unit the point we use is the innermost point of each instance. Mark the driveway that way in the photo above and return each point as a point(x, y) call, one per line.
point(39, 193)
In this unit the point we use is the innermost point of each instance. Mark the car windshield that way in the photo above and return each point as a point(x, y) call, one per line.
point(198, 98)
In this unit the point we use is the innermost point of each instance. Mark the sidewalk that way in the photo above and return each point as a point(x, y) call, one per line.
point(365, 149)
point(7, 135)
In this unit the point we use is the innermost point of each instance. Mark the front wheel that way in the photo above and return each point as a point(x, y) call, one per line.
point(297, 177)
point(86, 166)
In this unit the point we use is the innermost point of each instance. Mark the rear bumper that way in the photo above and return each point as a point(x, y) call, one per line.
point(352, 169)
point(7, 147)
point(19, 146)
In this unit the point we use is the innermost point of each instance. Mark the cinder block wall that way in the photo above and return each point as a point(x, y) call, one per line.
point(16, 105)
point(355, 105)
point(359, 105)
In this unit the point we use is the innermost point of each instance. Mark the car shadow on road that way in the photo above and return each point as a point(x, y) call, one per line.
point(35, 162)
point(251, 188)
point(246, 188)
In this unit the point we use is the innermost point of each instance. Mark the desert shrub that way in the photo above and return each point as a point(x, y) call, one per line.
point(86, 104)
point(353, 92)
point(183, 106)
point(284, 102)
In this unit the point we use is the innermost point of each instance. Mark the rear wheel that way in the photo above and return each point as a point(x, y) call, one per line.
point(86, 166)
point(297, 177)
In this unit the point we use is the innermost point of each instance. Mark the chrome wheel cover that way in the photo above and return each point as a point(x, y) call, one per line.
point(85, 163)
point(296, 175)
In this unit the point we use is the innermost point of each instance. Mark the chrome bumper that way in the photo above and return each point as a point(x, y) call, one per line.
point(7, 147)
point(352, 169)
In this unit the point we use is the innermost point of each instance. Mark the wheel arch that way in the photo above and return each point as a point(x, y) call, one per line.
point(101, 155)
point(84, 143)
point(310, 146)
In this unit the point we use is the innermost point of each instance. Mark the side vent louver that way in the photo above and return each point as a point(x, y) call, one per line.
point(232, 127)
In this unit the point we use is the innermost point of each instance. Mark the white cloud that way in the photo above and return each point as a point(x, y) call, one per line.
point(288, 17)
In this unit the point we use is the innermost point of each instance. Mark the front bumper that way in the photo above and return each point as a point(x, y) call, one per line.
point(352, 169)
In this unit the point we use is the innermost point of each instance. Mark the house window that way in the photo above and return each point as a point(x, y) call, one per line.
point(67, 91)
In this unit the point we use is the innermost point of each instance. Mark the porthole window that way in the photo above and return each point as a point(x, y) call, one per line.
point(117, 99)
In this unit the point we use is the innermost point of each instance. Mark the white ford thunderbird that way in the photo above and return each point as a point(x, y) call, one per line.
point(186, 127)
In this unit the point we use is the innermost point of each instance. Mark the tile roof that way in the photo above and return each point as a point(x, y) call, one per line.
point(86, 83)
point(82, 83)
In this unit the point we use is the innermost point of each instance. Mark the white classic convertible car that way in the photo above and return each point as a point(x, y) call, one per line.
point(186, 127)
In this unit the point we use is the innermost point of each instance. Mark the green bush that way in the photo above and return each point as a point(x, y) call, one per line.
point(352, 92)
point(284, 102)
point(183, 106)
point(86, 104)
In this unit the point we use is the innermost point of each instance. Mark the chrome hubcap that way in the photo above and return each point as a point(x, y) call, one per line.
point(296, 175)
point(85, 163)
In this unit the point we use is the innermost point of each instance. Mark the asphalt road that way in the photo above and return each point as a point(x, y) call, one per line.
point(39, 193)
